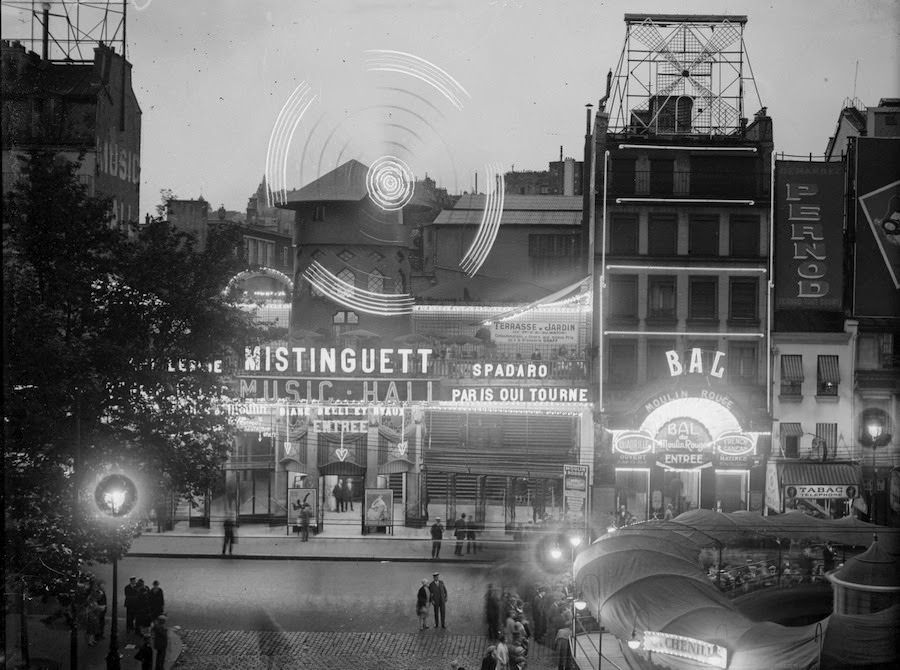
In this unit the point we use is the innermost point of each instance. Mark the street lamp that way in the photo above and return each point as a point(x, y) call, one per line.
point(116, 497)
point(878, 438)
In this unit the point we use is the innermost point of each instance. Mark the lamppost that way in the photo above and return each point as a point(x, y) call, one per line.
point(116, 497)
point(878, 438)
point(578, 604)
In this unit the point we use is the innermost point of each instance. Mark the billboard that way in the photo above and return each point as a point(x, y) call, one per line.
point(379, 510)
point(808, 240)
point(876, 259)
point(575, 494)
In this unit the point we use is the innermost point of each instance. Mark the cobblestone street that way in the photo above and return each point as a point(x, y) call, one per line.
point(274, 650)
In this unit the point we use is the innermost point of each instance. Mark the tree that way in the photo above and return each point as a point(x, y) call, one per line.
point(92, 317)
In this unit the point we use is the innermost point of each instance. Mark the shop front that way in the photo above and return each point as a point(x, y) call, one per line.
point(685, 448)
point(825, 490)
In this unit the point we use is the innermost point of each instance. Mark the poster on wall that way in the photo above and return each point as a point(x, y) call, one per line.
point(575, 493)
point(300, 499)
point(535, 331)
point(809, 215)
point(378, 514)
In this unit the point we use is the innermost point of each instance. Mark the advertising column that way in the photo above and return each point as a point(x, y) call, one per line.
point(575, 492)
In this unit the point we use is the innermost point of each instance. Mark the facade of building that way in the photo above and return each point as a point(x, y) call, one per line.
point(562, 177)
point(681, 275)
point(83, 110)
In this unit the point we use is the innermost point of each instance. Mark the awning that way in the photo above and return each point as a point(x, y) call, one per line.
point(395, 466)
point(828, 370)
point(820, 474)
point(342, 469)
point(791, 429)
point(792, 368)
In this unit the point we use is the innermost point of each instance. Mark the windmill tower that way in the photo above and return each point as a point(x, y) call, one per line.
point(681, 74)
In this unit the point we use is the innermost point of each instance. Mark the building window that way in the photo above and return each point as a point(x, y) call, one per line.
point(657, 362)
point(703, 235)
point(790, 439)
point(623, 297)
point(661, 177)
point(346, 275)
point(661, 297)
point(828, 376)
point(825, 441)
point(285, 256)
point(622, 176)
point(744, 236)
point(662, 235)
point(742, 366)
point(621, 363)
point(318, 212)
point(343, 321)
point(552, 254)
point(346, 255)
point(623, 234)
point(702, 299)
point(376, 282)
point(376, 256)
point(791, 376)
point(743, 300)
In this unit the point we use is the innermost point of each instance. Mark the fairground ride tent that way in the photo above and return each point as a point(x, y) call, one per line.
point(647, 577)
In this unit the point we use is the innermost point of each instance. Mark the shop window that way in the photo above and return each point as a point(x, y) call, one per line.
point(662, 234)
point(742, 362)
point(621, 363)
point(743, 300)
point(632, 492)
point(744, 236)
point(623, 297)
point(623, 234)
point(702, 299)
point(791, 376)
point(827, 376)
point(661, 297)
point(703, 235)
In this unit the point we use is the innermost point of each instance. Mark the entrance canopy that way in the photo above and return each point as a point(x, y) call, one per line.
point(342, 469)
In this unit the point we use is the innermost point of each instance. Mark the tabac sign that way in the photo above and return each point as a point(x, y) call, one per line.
point(699, 651)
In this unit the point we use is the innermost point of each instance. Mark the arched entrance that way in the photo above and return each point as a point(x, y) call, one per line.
point(342, 484)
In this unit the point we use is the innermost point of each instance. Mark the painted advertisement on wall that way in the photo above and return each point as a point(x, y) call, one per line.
point(535, 331)
point(877, 253)
point(808, 235)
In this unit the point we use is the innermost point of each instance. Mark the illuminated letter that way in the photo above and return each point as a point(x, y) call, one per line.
point(281, 361)
point(797, 191)
point(812, 270)
point(322, 387)
point(696, 361)
point(803, 212)
point(716, 370)
point(812, 231)
point(251, 359)
point(675, 368)
point(348, 360)
point(812, 289)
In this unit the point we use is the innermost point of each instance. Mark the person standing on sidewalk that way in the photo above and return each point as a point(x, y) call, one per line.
point(145, 655)
point(437, 534)
point(229, 536)
point(160, 642)
point(130, 603)
point(470, 536)
point(157, 600)
point(460, 532)
point(422, 599)
point(338, 493)
point(100, 598)
point(347, 495)
point(304, 521)
point(438, 592)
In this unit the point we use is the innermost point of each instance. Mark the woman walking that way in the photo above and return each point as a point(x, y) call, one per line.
point(422, 599)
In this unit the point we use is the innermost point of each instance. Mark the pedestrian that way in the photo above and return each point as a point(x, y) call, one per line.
point(304, 521)
point(338, 493)
point(669, 512)
point(230, 537)
point(537, 613)
point(501, 653)
point(157, 600)
point(437, 534)
point(142, 616)
point(460, 532)
point(100, 597)
point(145, 655)
point(347, 494)
point(492, 611)
point(160, 642)
point(92, 617)
point(422, 600)
point(438, 592)
point(130, 602)
point(488, 662)
point(828, 557)
point(806, 565)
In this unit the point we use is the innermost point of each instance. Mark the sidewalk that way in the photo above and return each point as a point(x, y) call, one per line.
point(49, 646)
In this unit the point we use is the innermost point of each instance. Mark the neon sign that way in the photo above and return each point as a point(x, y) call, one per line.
point(695, 366)
point(700, 651)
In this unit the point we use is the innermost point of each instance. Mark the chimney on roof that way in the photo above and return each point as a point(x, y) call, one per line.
point(560, 153)
point(45, 32)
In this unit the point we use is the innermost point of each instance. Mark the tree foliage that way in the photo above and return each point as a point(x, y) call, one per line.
point(92, 318)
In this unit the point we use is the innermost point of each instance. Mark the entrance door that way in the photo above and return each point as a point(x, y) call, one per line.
point(682, 490)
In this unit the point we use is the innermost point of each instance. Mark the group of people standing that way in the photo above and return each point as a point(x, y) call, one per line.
point(435, 594)
point(343, 495)
point(464, 531)
point(145, 616)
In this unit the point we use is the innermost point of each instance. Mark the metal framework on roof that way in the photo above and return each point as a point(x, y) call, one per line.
point(67, 31)
point(681, 75)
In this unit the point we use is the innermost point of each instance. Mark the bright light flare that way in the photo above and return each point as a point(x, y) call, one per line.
point(280, 142)
point(486, 234)
point(390, 183)
point(351, 297)
point(386, 60)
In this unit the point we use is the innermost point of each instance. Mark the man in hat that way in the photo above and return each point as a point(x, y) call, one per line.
point(438, 592)
point(437, 534)
point(131, 595)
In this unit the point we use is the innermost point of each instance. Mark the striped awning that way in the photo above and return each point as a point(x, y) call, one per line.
point(823, 474)
point(791, 429)
point(792, 368)
point(828, 370)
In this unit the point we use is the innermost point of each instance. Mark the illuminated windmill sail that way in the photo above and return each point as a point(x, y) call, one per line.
point(681, 74)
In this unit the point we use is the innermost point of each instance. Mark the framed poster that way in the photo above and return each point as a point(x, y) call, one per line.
point(575, 494)
point(296, 499)
point(378, 511)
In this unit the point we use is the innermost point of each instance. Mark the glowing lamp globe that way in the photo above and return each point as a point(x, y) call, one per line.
point(116, 495)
